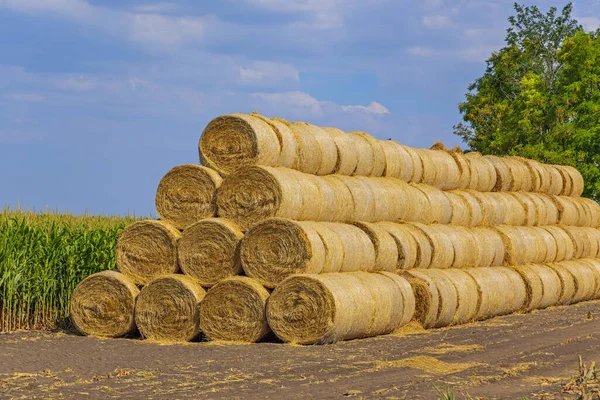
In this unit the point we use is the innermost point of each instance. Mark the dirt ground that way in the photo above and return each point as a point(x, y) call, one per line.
point(533, 356)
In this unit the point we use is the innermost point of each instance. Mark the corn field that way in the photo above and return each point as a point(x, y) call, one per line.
point(43, 256)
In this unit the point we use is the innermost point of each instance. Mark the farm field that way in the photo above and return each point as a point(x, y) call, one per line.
point(531, 356)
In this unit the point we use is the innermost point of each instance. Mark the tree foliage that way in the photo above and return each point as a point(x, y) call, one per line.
point(540, 95)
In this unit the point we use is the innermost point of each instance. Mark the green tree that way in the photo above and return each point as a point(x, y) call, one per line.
point(540, 95)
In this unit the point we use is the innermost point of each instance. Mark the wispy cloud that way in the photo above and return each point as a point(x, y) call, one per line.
point(420, 51)
point(373, 108)
point(268, 72)
point(155, 8)
point(437, 21)
point(79, 84)
point(294, 100)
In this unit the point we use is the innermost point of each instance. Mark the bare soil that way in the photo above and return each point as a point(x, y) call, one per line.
point(532, 356)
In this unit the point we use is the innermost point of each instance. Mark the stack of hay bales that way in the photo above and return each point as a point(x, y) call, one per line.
point(320, 235)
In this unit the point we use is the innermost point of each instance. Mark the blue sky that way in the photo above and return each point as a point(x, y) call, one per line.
point(99, 99)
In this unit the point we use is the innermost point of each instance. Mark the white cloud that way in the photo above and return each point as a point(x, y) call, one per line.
point(155, 29)
point(28, 97)
point(436, 21)
point(155, 8)
point(295, 100)
point(420, 51)
point(78, 84)
point(373, 108)
point(477, 53)
point(266, 72)
point(589, 23)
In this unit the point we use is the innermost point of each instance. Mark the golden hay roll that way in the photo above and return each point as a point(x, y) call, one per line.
point(447, 174)
point(533, 285)
point(417, 164)
point(146, 250)
point(355, 245)
point(277, 248)
point(448, 296)
point(577, 184)
point(493, 291)
point(364, 154)
point(378, 165)
point(102, 305)
point(565, 248)
point(238, 140)
point(556, 186)
point(486, 173)
point(522, 179)
point(549, 244)
point(581, 241)
point(234, 310)
point(594, 235)
point(460, 209)
point(363, 197)
point(308, 309)
point(167, 309)
point(209, 250)
point(186, 194)
point(288, 157)
point(466, 289)
point(386, 251)
point(398, 163)
point(427, 297)
point(442, 248)
point(347, 156)
point(568, 210)
point(429, 169)
point(463, 167)
point(403, 200)
point(466, 249)
point(585, 280)
point(406, 245)
point(417, 207)
point(552, 286)
point(492, 208)
point(515, 289)
point(529, 208)
point(591, 211)
point(541, 179)
point(547, 208)
point(567, 283)
point(344, 202)
point(383, 193)
point(424, 246)
point(474, 205)
point(326, 209)
point(492, 251)
point(536, 205)
point(504, 178)
point(594, 265)
point(566, 180)
point(324, 155)
point(440, 209)
point(512, 211)
point(522, 244)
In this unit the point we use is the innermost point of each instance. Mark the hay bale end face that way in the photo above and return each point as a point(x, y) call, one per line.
point(234, 310)
point(103, 305)
point(209, 250)
point(187, 194)
point(147, 250)
point(167, 309)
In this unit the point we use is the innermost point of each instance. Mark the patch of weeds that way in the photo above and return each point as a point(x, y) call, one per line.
point(585, 384)
point(446, 394)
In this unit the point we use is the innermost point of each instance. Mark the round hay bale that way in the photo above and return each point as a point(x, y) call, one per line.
point(556, 180)
point(516, 288)
point(356, 247)
point(594, 265)
point(490, 283)
point(334, 254)
point(520, 244)
point(417, 164)
point(585, 280)
point(512, 210)
point(466, 289)
point(277, 248)
point(417, 207)
point(440, 207)
point(534, 287)
point(548, 242)
point(384, 197)
point(547, 207)
point(552, 286)
point(529, 208)
point(486, 173)
point(208, 251)
point(429, 168)
point(364, 154)
point(581, 241)
point(238, 140)
point(167, 309)
point(252, 194)
point(362, 197)
point(463, 168)
point(522, 179)
point(378, 165)
point(308, 309)
point(474, 205)
point(398, 163)
point(447, 174)
point(448, 297)
point(102, 305)
point(492, 251)
point(406, 245)
point(442, 248)
point(146, 250)
point(234, 310)
point(576, 180)
point(537, 212)
point(288, 157)
point(186, 194)
point(504, 178)
point(344, 202)
point(466, 248)
point(400, 199)
point(460, 209)
point(347, 156)
point(568, 210)
point(591, 211)
point(567, 283)
point(594, 235)
point(386, 251)
point(424, 246)
point(567, 181)
point(427, 297)
point(565, 248)
point(493, 206)
point(327, 208)
point(408, 297)
point(540, 177)
point(323, 156)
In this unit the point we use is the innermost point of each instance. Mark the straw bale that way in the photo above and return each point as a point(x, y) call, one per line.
point(447, 172)
point(429, 169)
point(363, 197)
point(417, 164)
point(540, 177)
point(347, 155)
point(364, 153)
point(288, 157)
point(398, 162)
point(474, 205)
point(440, 210)
point(549, 244)
point(556, 186)
point(386, 250)
point(566, 180)
point(522, 178)
point(378, 165)
point(515, 290)
point(581, 241)
point(594, 265)
point(464, 169)
point(460, 209)
point(491, 246)
point(591, 211)
point(504, 178)
point(552, 286)
point(277, 248)
point(585, 280)
point(567, 283)
point(427, 297)
point(404, 201)
point(466, 289)
point(356, 247)
point(512, 211)
point(326, 209)
point(167, 309)
point(408, 297)
point(406, 244)
point(385, 194)
point(146, 250)
point(490, 285)
point(565, 248)
point(237, 140)
point(594, 235)
point(417, 207)
point(103, 303)
point(533, 285)
point(522, 245)
point(442, 247)
point(343, 205)
point(547, 208)
point(234, 310)
point(529, 208)
point(537, 211)
point(486, 173)
point(467, 248)
point(424, 246)
point(186, 194)
point(209, 250)
point(576, 181)
point(309, 309)
point(324, 155)
point(448, 296)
